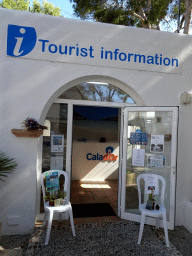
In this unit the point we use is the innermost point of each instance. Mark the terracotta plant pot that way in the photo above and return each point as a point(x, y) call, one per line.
point(27, 134)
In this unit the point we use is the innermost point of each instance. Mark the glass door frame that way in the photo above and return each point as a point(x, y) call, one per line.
point(134, 217)
point(71, 103)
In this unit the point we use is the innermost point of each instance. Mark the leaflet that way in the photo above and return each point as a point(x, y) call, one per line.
point(157, 161)
point(151, 182)
point(138, 157)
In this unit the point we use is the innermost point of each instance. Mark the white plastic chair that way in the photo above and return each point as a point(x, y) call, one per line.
point(152, 213)
point(49, 210)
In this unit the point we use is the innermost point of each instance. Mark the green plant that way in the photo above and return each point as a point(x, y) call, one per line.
point(151, 195)
point(51, 198)
point(7, 165)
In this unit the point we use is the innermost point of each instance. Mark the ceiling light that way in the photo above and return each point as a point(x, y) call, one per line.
point(150, 114)
point(97, 83)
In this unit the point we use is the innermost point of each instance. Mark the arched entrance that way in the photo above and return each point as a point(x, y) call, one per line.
point(88, 92)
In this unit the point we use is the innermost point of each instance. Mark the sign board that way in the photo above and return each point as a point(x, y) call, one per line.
point(71, 42)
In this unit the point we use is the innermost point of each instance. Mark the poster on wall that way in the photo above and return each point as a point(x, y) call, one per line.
point(157, 144)
point(133, 138)
point(144, 138)
point(157, 161)
point(138, 157)
point(56, 163)
point(137, 138)
point(57, 143)
point(151, 182)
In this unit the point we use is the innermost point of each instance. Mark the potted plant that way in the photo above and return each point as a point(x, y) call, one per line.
point(32, 129)
point(55, 200)
point(7, 166)
point(31, 124)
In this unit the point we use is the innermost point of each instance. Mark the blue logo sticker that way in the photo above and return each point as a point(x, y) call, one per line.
point(109, 149)
point(20, 40)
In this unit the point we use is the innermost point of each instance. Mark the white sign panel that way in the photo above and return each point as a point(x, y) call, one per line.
point(75, 42)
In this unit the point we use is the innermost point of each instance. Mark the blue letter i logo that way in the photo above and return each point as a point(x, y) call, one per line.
point(20, 40)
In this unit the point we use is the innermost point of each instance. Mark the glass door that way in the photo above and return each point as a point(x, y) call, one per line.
point(149, 146)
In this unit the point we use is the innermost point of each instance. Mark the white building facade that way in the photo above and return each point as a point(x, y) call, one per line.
point(41, 57)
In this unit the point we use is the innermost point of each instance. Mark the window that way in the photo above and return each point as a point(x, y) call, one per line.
point(97, 91)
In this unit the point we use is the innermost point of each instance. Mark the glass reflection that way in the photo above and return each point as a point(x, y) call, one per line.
point(96, 91)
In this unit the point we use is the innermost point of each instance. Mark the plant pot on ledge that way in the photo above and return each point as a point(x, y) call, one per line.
point(27, 133)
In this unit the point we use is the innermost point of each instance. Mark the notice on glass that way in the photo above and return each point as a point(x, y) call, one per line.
point(151, 182)
point(157, 161)
point(56, 163)
point(157, 144)
point(138, 157)
point(138, 138)
point(57, 143)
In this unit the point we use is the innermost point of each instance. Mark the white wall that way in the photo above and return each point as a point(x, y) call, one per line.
point(29, 86)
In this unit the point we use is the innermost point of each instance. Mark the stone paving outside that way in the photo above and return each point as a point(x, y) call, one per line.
point(16, 245)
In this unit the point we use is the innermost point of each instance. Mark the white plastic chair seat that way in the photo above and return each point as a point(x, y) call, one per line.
point(60, 208)
point(152, 213)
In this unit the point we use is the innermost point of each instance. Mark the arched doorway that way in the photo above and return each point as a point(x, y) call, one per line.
point(95, 94)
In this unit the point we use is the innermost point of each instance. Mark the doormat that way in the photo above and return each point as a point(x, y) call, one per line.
point(92, 210)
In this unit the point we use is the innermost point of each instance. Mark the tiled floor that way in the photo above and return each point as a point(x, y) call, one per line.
point(94, 192)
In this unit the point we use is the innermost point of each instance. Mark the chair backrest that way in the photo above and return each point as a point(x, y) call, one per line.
point(145, 177)
point(59, 173)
